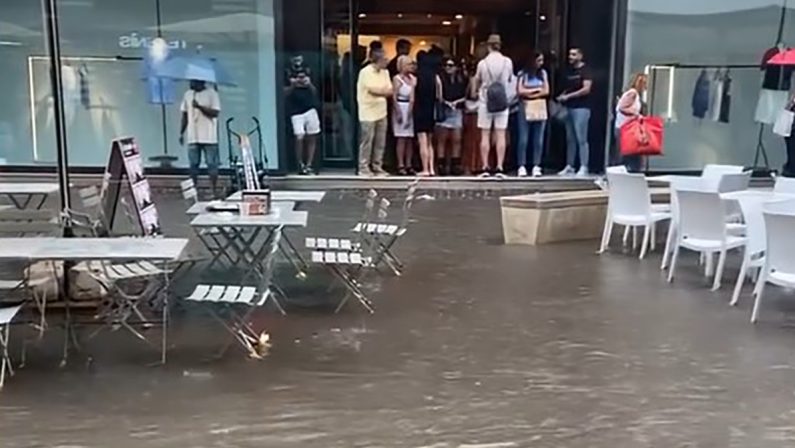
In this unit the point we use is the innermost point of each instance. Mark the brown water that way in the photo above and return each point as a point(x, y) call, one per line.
point(478, 345)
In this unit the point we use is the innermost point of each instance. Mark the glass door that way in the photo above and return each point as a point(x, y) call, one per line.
point(339, 62)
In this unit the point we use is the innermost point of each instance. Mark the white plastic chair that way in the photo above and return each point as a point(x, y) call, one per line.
point(702, 228)
point(779, 266)
point(7, 314)
point(785, 185)
point(754, 257)
point(730, 183)
point(712, 174)
point(629, 204)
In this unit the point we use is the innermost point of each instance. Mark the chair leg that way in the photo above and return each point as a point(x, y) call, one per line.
point(672, 268)
point(606, 234)
point(625, 240)
point(738, 287)
point(760, 289)
point(653, 241)
point(709, 265)
point(669, 241)
point(644, 246)
point(634, 238)
point(719, 270)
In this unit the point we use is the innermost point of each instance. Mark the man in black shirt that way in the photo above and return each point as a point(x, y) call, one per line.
point(403, 48)
point(302, 103)
point(575, 96)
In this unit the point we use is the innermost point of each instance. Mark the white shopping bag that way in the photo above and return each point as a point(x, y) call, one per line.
point(783, 125)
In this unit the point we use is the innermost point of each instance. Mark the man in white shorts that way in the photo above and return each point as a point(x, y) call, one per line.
point(494, 68)
point(302, 103)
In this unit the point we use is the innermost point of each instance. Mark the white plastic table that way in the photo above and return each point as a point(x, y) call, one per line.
point(22, 194)
point(286, 195)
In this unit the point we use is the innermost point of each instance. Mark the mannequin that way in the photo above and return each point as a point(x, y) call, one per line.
point(776, 84)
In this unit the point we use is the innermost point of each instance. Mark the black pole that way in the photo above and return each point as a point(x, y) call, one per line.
point(160, 81)
point(54, 52)
point(781, 22)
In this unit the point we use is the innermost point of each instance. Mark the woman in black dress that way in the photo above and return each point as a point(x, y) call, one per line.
point(426, 95)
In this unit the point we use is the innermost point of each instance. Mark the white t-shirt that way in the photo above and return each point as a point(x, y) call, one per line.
point(495, 67)
point(201, 128)
point(636, 106)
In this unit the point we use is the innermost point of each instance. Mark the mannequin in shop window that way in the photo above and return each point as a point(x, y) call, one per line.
point(789, 166)
point(776, 84)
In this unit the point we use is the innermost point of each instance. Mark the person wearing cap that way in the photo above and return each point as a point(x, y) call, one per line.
point(494, 68)
point(373, 88)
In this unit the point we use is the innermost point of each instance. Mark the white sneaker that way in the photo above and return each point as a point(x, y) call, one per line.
point(537, 171)
point(568, 171)
point(522, 172)
point(583, 172)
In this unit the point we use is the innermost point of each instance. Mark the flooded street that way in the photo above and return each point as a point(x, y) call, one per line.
point(477, 345)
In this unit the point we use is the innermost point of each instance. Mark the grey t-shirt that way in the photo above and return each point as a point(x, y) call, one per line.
point(495, 68)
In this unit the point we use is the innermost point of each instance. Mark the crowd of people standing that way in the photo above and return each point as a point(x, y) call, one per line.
point(460, 115)
point(431, 102)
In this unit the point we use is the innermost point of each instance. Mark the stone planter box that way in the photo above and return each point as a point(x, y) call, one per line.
point(557, 217)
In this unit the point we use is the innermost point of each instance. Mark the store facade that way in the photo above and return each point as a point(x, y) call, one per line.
point(106, 94)
point(705, 59)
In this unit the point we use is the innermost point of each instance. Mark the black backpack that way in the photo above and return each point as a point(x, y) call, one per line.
point(496, 94)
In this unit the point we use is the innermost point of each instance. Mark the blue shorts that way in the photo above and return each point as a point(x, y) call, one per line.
point(211, 157)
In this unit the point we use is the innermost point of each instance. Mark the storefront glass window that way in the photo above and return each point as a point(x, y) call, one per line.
point(106, 90)
point(21, 36)
point(723, 43)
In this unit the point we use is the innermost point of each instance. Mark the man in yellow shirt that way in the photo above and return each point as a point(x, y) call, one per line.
point(373, 88)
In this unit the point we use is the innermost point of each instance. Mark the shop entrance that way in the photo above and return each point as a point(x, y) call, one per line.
point(458, 28)
point(347, 27)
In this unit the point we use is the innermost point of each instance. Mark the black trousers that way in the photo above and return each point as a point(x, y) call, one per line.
point(789, 166)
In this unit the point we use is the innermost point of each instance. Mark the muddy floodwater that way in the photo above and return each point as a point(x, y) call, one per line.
point(476, 345)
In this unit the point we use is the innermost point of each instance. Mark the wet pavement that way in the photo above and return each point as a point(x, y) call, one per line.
point(477, 345)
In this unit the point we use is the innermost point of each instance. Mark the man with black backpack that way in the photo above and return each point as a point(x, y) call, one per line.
point(490, 84)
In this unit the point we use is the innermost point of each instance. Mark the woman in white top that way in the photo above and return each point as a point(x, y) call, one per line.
point(629, 106)
point(403, 86)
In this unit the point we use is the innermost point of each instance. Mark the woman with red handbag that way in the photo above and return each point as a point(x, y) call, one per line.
point(629, 106)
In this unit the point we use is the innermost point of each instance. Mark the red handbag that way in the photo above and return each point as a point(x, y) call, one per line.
point(642, 136)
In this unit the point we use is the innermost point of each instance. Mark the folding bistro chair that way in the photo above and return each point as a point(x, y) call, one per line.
point(7, 314)
point(350, 266)
point(387, 235)
point(125, 295)
point(232, 306)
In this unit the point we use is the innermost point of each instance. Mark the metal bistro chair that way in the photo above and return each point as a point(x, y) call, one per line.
point(384, 235)
point(354, 244)
point(351, 267)
point(387, 235)
point(232, 306)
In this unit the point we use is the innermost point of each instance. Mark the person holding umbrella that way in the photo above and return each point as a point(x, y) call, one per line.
point(199, 129)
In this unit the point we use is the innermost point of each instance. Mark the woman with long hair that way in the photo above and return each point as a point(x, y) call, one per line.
point(454, 94)
point(533, 90)
point(426, 95)
point(403, 85)
point(630, 105)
